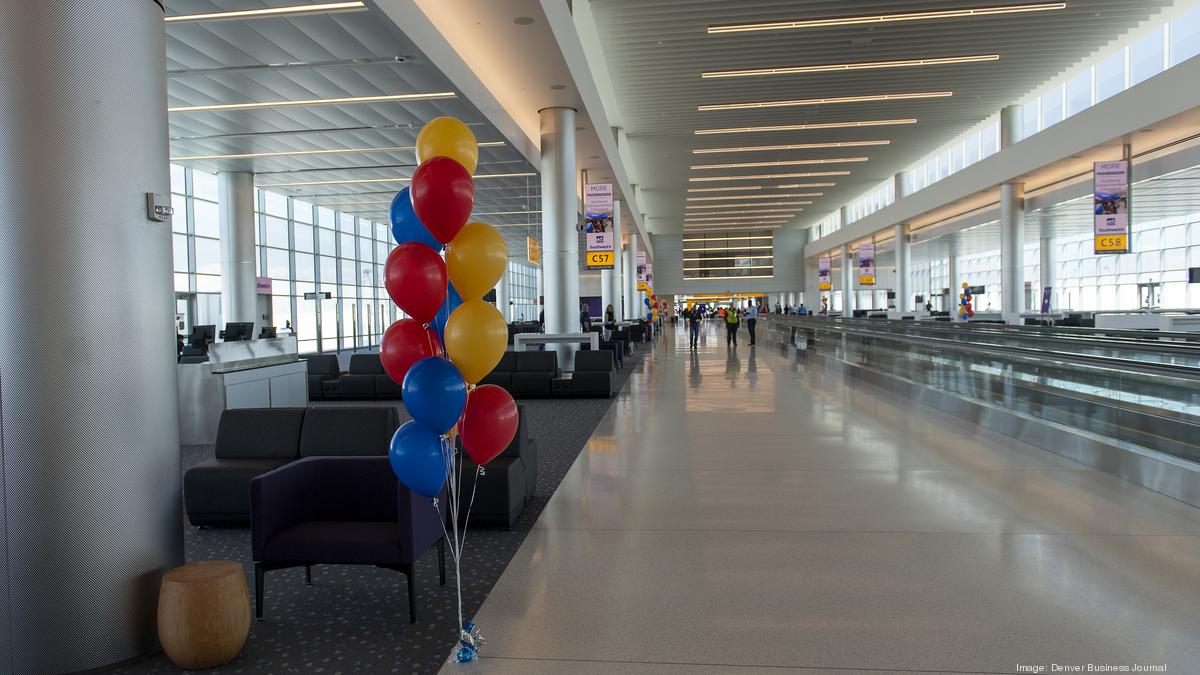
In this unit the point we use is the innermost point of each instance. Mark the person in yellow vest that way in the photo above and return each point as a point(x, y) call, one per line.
point(731, 326)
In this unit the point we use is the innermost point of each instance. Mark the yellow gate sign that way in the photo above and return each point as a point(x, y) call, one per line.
point(533, 250)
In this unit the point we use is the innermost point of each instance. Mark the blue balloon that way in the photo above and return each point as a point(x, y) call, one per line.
point(406, 226)
point(646, 301)
point(434, 393)
point(451, 303)
point(419, 459)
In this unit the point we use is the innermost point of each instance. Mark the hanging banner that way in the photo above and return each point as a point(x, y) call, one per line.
point(642, 271)
point(824, 277)
point(1110, 199)
point(597, 217)
point(866, 265)
point(533, 250)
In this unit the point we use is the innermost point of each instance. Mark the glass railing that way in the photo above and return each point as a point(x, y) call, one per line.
point(1144, 394)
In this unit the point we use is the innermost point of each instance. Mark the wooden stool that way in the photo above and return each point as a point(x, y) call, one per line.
point(203, 613)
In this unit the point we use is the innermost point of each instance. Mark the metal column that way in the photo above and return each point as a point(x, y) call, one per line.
point(560, 239)
point(1012, 251)
point(629, 265)
point(239, 301)
point(89, 416)
point(847, 282)
point(904, 298)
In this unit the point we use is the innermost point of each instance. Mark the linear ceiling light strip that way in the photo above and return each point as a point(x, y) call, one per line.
point(306, 153)
point(714, 208)
point(789, 146)
point(291, 10)
point(789, 103)
point(314, 102)
point(787, 195)
point(767, 176)
point(887, 18)
point(843, 67)
point(364, 181)
point(805, 127)
point(782, 162)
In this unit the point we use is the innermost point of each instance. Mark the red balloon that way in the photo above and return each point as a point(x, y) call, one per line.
point(488, 423)
point(415, 278)
point(443, 195)
point(404, 343)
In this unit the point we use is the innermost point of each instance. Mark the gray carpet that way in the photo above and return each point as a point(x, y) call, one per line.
point(355, 619)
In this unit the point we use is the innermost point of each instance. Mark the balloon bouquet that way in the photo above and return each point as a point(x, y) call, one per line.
point(452, 338)
point(965, 311)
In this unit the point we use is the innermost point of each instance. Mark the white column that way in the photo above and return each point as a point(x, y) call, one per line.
point(904, 299)
point(610, 280)
point(1010, 125)
point(1046, 265)
point(560, 240)
point(1012, 251)
point(502, 296)
point(629, 265)
point(952, 280)
point(238, 229)
point(847, 281)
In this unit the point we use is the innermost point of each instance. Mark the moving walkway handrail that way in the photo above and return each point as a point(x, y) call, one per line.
point(1114, 363)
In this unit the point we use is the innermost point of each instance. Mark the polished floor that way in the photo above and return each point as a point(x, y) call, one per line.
point(744, 511)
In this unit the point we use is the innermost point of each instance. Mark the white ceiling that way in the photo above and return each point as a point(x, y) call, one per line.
point(656, 51)
point(345, 54)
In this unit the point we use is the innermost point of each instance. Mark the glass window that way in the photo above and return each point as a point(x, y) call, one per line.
point(303, 236)
point(1029, 119)
point(278, 265)
point(1110, 76)
point(178, 183)
point(276, 231)
point(1185, 36)
point(345, 222)
point(305, 267)
point(302, 211)
point(348, 273)
point(180, 250)
point(990, 139)
point(1079, 92)
point(276, 204)
point(328, 272)
point(281, 309)
point(326, 217)
point(1146, 57)
point(346, 241)
point(328, 241)
point(1052, 106)
point(208, 283)
point(208, 256)
point(207, 219)
point(204, 185)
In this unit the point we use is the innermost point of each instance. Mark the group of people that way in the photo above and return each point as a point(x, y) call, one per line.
point(732, 317)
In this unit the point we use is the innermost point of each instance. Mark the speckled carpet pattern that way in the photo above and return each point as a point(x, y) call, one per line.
point(354, 619)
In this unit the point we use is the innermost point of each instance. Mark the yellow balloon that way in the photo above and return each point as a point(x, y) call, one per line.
point(476, 337)
point(448, 137)
point(476, 259)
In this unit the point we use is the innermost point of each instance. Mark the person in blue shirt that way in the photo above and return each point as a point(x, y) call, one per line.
point(751, 319)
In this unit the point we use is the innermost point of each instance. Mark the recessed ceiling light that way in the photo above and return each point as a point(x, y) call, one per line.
point(804, 127)
point(774, 196)
point(268, 12)
point(767, 176)
point(783, 162)
point(887, 18)
point(523, 20)
point(841, 67)
point(315, 101)
point(789, 146)
point(827, 100)
point(364, 181)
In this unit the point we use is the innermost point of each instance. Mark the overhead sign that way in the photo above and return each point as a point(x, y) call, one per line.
point(1110, 201)
point(643, 271)
point(262, 285)
point(824, 277)
point(533, 250)
point(323, 295)
point(866, 264)
point(598, 217)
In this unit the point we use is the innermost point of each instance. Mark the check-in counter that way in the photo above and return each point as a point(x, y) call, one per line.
point(249, 374)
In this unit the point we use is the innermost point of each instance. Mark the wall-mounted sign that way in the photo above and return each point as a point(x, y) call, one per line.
point(533, 250)
point(597, 226)
point(866, 265)
point(824, 276)
point(322, 295)
point(1110, 199)
point(262, 285)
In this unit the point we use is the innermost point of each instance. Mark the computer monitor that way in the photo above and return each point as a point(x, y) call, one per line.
point(267, 333)
point(202, 335)
point(239, 330)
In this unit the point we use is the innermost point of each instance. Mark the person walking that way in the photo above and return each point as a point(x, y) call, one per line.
point(693, 317)
point(751, 320)
point(731, 326)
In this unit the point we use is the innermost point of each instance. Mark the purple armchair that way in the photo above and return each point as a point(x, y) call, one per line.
point(340, 511)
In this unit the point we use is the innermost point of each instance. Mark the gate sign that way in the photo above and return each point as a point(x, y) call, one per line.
point(1110, 199)
point(597, 216)
point(643, 271)
point(866, 264)
point(824, 278)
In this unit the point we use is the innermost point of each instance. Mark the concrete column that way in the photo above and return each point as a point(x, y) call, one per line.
point(1046, 264)
point(238, 229)
point(610, 280)
point(560, 240)
point(904, 296)
point(629, 267)
point(898, 185)
point(502, 296)
point(89, 417)
point(847, 281)
point(1012, 251)
point(952, 279)
point(1010, 125)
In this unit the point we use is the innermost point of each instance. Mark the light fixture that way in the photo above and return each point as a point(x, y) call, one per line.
point(764, 218)
point(743, 212)
point(306, 153)
point(503, 213)
point(842, 67)
point(778, 196)
point(315, 101)
point(738, 238)
point(804, 127)
point(764, 256)
point(788, 103)
point(886, 18)
point(789, 146)
point(747, 204)
point(729, 267)
point(727, 248)
point(796, 186)
point(361, 203)
point(365, 181)
point(767, 176)
point(762, 187)
point(290, 10)
point(782, 162)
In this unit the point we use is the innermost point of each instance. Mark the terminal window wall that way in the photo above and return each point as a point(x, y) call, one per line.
point(522, 291)
point(196, 242)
